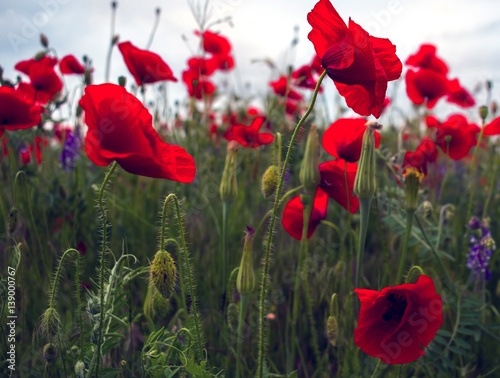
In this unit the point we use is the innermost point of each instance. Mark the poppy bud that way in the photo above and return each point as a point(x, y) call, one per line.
point(365, 184)
point(50, 323)
point(229, 185)
point(87, 77)
point(309, 175)
point(115, 39)
point(163, 273)
point(413, 275)
point(161, 305)
point(40, 55)
point(12, 221)
point(122, 81)
point(412, 178)
point(232, 316)
point(483, 112)
point(494, 108)
point(269, 181)
point(44, 40)
point(245, 282)
point(50, 352)
point(332, 330)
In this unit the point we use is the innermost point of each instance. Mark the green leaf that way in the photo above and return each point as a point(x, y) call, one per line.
point(444, 333)
point(457, 350)
point(170, 373)
point(462, 343)
point(440, 340)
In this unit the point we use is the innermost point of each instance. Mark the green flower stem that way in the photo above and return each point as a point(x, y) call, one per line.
point(225, 209)
point(262, 309)
point(402, 262)
point(447, 173)
point(492, 185)
point(471, 191)
point(153, 31)
point(111, 44)
point(103, 261)
point(440, 224)
point(376, 368)
point(188, 270)
point(245, 298)
point(364, 208)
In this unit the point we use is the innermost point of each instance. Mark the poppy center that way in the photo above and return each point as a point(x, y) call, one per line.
point(396, 306)
point(5, 121)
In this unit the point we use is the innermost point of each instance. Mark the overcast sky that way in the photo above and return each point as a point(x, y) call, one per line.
point(465, 32)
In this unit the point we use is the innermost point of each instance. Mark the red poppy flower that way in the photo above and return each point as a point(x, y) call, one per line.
point(25, 155)
point(344, 138)
point(492, 128)
point(333, 182)
point(426, 58)
point(282, 87)
point(196, 85)
point(396, 322)
point(316, 65)
point(70, 65)
point(426, 84)
point(303, 78)
point(202, 66)
point(224, 62)
point(459, 95)
point(360, 65)
point(17, 112)
point(43, 78)
point(463, 136)
point(249, 136)
point(146, 66)
point(121, 129)
point(425, 153)
point(214, 43)
point(293, 215)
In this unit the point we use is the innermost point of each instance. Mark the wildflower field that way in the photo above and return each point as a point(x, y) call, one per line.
point(226, 237)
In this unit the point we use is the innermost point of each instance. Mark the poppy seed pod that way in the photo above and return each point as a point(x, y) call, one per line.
point(309, 175)
point(245, 282)
point(229, 185)
point(270, 181)
point(163, 273)
point(365, 184)
point(483, 112)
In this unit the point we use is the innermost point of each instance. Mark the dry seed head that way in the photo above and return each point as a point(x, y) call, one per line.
point(269, 181)
point(163, 273)
point(50, 352)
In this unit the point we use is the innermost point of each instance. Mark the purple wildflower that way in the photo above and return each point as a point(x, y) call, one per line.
point(482, 246)
point(71, 149)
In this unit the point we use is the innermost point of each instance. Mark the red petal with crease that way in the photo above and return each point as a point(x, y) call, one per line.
point(333, 182)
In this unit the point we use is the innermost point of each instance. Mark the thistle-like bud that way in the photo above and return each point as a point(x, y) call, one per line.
point(309, 174)
point(50, 323)
point(413, 274)
point(44, 40)
point(483, 112)
point(232, 316)
point(80, 369)
point(160, 305)
point(229, 185)
point(163, 273)
point(50, 352)
point(332, 330)
point(245, 282)
point(365, 184)
point(412, 178)
point(270, 181)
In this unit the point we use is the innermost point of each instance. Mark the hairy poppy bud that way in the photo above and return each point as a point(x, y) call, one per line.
point(245, 282)
point(413, 275)
point(309, 174)
point(229, 185)
point(163, 273)
point(332, 330)
point(232, 316)
point(50, 323)
point(160, 305)
point(12, 221)
point(365, 184)
point(50, 352)
point(270, 181)
point(412, 178)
